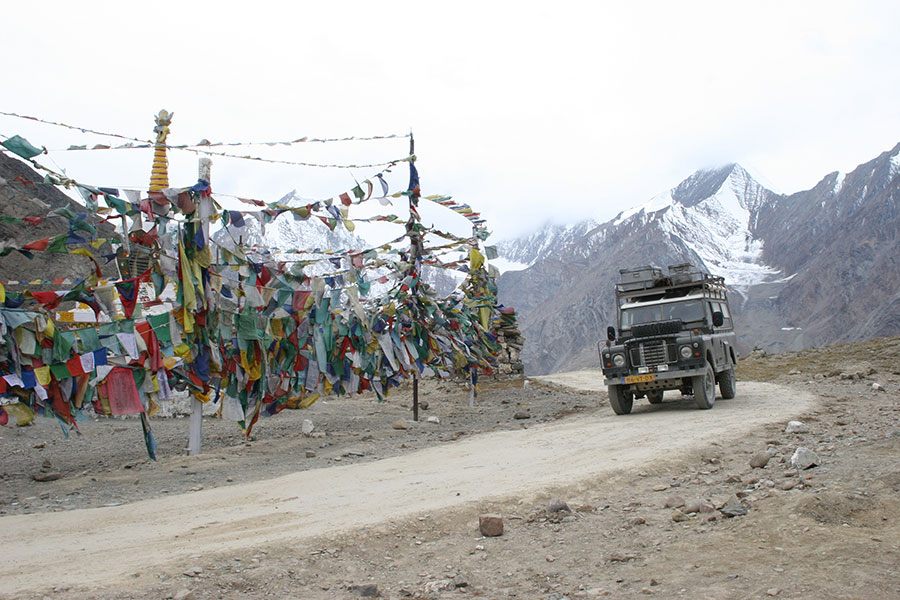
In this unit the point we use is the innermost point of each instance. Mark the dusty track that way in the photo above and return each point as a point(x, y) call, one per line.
point(119, 541)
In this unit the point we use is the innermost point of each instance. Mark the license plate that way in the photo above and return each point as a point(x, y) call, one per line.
point(639, 378)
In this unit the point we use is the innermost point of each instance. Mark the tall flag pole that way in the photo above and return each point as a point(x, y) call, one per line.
point(414, 231)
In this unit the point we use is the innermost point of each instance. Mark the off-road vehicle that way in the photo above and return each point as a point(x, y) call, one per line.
point(675, 333)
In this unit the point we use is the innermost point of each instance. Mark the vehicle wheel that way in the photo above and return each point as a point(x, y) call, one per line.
point(705, 388)
point(620, 399)
point(655, 397)
point(728, 384)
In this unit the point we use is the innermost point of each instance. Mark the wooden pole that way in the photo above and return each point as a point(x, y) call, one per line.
point(204, 211)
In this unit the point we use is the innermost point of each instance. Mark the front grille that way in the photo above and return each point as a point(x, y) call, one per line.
point(653, 353)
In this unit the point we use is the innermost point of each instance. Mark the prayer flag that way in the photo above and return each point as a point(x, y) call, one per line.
point(19, 145)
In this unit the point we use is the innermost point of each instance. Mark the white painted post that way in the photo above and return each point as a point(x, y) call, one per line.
point(204, 211)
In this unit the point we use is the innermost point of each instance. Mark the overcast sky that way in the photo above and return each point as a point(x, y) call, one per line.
point(526, 111)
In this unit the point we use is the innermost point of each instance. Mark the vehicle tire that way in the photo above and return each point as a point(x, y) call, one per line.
point(728, 384)
point(705, 388)
point(655, 397)
point(620, 399)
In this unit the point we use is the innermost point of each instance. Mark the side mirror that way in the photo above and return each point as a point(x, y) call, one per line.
point(718, 318)
point(611, 333)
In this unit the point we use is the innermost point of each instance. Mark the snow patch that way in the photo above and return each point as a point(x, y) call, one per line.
point(504, 264)
point(895, 164)
point(839, 183)
point(655, 204)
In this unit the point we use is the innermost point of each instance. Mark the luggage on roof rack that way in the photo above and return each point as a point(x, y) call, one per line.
point(685, 273)
point(639, 278)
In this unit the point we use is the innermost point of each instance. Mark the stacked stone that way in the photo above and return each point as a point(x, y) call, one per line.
point(509, 362)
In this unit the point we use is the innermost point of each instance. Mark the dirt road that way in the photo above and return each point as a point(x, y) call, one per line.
point(117, 542)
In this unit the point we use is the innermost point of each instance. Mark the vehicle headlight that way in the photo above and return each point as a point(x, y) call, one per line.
point(619, 360)
point(686, 352)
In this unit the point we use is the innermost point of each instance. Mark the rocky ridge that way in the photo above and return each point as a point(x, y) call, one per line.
point(806, 269)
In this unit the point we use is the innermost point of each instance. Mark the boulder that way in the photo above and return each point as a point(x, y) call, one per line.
point(796, 427)
point(556, 505)
point(804, 458)
point(490, 525)
point(760, 460)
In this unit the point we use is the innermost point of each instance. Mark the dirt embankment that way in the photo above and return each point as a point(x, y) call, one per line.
point(401, 519)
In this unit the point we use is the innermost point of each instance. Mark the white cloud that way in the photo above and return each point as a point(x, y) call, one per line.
point(526, 111)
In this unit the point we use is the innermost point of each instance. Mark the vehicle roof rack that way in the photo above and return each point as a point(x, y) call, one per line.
point(649, 281)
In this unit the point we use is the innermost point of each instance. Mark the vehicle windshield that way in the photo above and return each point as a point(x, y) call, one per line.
point(691, 310)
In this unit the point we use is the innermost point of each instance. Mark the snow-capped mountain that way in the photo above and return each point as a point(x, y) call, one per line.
point(525, 251)
point(289, 232)
point(776, 252)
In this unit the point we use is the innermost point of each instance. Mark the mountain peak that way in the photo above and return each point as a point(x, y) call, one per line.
point(731, 180)
point(705, 183)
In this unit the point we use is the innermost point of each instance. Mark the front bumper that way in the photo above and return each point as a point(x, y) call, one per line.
point(661, 377)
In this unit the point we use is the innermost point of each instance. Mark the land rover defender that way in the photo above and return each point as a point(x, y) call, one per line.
point(675, 332)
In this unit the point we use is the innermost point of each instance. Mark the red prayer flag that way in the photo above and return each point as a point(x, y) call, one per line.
point(122, 392)
point(74, 366)
point(37, 245)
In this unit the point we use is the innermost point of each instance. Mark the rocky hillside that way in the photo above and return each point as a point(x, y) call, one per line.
point(23, 195)
point(810, 268)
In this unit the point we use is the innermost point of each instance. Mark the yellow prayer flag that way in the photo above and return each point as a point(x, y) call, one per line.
point(42, 374)
point(309, 400)
point(24, 415)
point(187, 286)
point(82, 252)
point(476, 259)
point(201, 397)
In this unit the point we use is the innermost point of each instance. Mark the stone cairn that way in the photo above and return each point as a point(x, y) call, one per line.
point(505, 327)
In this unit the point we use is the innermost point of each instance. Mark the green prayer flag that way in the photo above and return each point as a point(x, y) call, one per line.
point(19, 145)
point(66, 212)
point(116, 203)
point(62, 345)
point(139, 375)
point(90, 341)
point(160, 325)
point(58, 244)
point(60, 371)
